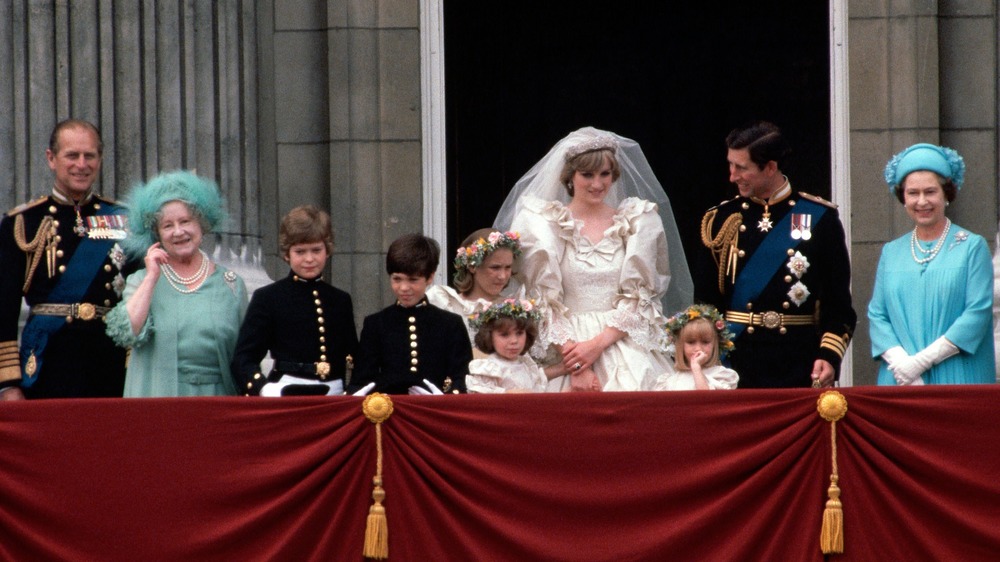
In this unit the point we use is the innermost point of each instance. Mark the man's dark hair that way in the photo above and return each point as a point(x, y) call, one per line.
point(764, 142)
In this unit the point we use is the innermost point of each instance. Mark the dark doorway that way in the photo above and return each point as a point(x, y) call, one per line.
point(676, 77)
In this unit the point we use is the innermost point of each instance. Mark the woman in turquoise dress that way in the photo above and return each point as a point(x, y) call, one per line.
point(182, 313)
point(931, 313)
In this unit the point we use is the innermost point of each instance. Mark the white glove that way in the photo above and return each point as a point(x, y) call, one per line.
point(939, 350)
point(417, 389)
point(364, 390)
point(893, 355)
point(909, 369)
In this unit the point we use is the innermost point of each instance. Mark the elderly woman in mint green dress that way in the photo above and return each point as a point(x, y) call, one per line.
point(182, 313)
point(931, 312)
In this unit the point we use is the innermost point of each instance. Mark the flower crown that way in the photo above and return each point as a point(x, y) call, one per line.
point(474, 254)
point(599, 142)
point(677, 322)
point(516, 309)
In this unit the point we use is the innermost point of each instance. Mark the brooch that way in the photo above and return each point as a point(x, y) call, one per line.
point(798, 265)
point(798, 293)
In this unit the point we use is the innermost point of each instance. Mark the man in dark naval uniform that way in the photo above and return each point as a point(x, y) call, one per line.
point(777, 264)
point(60, 253)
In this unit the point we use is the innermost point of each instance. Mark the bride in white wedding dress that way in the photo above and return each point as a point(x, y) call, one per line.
point(594, 226)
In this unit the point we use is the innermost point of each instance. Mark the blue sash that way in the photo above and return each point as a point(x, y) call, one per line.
point(769, 257)
point(71, 288)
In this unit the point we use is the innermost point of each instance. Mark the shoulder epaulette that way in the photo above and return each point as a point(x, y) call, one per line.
point(724, 202)
point(25, 206)
point(818, 199)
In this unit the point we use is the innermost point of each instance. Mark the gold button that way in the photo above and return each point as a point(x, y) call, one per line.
point(320, 320)
point(52, 209)
point(69, 319)
point(749, 306)
point(107, 302)
point(62, 268)
point(322, 330)
point(97, 206)
point(788, 279)
point(412, 319)
point(749, 329)
point(783, 330)
point(413, 328)
point(322, 339)
point(249, 385)
point(791, 252)
point(322, 349)
point(107, 267)
point(59, 253)
point(315, 293)
point(322, 358)
point(55, 224)
point(413, 344)
point(742, 253)
point(58, 239)
point(413, 369)
point(319, 310)
point(413, 361)
point(791, 203)
point(256, 375)
point(746, 205)
point(318, 302)
point(413, 337)
point(413, 354)
point(785, 305)
point(743, 228)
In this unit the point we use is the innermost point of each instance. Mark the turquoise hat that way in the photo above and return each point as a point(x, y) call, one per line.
point(145, 200)
point(941, 160)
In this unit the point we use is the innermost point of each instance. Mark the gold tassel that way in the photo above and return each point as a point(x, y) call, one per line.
point(832, 406)
point(831, 538)
point(377, 408)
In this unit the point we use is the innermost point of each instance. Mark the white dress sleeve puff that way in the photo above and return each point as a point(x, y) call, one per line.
point(644, 275)
point(546, 227)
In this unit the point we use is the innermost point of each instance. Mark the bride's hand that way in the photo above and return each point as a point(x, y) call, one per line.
point(582, 355)
point(584, 381)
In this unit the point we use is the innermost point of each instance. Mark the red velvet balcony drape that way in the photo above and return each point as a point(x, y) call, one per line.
point(736, 475)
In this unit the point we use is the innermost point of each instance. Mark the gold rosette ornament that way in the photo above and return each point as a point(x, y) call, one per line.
point(377, 407)
point(832, 406)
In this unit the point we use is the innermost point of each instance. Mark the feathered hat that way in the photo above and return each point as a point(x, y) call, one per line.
point(145, 200)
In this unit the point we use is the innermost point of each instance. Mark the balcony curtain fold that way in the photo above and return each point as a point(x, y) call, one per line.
point(704, 475)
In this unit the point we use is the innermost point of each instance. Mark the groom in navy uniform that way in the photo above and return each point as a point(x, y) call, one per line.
point(776, 262)
point(59, 253)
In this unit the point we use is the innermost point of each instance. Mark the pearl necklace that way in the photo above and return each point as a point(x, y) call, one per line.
point(933, 252)
point(180, 284)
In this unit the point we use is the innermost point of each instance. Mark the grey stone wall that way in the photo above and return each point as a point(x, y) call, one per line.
point(920, 71)
point(340, 128)
point(171, 84)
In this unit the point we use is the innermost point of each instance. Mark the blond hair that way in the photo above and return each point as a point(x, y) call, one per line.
point(696, 328)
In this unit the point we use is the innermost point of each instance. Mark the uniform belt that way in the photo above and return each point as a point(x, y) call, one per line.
point(78, 310)
point(770, 319)
point(319, 370)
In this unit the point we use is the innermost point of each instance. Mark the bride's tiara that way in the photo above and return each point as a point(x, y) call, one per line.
point(600, 142)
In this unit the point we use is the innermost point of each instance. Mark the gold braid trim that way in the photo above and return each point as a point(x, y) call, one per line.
point(44, 239)
point(723, 245)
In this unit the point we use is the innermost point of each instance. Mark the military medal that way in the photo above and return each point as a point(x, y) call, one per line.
point(79, 229)
point(107, 227)
point(797, 265)
point(765, 224)
point(801, 226)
